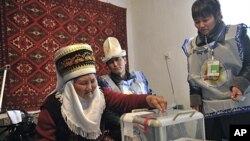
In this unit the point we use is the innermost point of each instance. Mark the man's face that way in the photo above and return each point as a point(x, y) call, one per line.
point(85, 85)
point(205, 24)
point(117, 65)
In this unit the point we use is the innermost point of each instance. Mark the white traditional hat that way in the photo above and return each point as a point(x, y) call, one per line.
point(112, 49)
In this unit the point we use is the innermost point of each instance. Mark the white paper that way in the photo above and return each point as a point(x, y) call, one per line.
point(15, 116)
point(128, 122)
point(128, 129)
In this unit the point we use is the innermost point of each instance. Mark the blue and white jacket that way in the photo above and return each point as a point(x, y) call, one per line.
point(232, 50)
point(136, 83)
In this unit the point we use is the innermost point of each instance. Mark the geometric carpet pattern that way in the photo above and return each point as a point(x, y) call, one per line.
point(32, 30)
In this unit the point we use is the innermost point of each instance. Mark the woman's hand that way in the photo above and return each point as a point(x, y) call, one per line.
point(236, 94)
point(157, 102)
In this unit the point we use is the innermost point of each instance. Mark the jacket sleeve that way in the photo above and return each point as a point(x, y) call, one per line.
point(102, 82)
point(194, 90)
point(45, 127)
point(149, 90)
point(124, 103)
point(242, 80)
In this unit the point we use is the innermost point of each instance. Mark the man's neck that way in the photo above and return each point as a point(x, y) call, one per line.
point(117, 78)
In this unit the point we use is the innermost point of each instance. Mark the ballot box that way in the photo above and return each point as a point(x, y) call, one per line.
point(174, 125)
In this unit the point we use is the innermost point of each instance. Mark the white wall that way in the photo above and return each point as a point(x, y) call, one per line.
point(235, 11)
point(160, 27)
point(157, 27)
point(120, 3)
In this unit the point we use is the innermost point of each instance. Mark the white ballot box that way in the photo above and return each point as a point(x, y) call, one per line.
point(174, 125)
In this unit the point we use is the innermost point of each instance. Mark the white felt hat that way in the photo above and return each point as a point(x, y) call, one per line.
point(112, 49)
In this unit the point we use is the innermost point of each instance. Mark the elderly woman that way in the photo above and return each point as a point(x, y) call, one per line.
point(74, 110)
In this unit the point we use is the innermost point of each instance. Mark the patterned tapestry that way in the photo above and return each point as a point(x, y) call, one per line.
point(32, 30)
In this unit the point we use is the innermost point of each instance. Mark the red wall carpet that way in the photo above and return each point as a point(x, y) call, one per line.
point(32, 30)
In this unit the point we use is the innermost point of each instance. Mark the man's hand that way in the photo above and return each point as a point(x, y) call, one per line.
point(157, 102)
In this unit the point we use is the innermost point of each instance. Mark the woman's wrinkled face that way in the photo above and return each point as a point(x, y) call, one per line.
point(85, 85)
point(205, 24)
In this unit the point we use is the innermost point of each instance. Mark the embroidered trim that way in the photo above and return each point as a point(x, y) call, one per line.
point(73, 49)
point(228, 112)
point(185, 47)
point(239, 40)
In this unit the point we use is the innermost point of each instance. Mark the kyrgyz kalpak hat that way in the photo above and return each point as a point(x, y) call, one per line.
point(112, 49)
